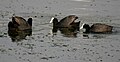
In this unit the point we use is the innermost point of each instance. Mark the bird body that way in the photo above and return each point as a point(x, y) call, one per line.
point(97, 28)
point(20, 23)
point(67, 22)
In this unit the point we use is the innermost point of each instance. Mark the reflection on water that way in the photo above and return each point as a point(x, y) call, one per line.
point(67, 32)
point(95, 36)
point(19, 35)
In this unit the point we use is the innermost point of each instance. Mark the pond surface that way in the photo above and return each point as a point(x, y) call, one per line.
point(63, 46)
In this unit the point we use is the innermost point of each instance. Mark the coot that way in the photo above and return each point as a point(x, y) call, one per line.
point(97, 28)
point(68, 21)
point(19, 23)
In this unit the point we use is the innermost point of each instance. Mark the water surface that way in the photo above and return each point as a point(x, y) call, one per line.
point(45, 46)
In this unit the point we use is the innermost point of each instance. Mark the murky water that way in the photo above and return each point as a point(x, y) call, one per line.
point(63, 46)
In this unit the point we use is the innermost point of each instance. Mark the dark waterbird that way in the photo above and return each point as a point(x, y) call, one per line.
point(19, 23)
point(67, 22)
point(97, 28)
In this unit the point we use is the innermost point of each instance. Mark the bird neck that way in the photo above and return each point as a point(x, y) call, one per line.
point(30, 21)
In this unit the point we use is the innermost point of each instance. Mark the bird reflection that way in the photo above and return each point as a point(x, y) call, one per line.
point(67, 32)
point(95, 36)
point(19, 35)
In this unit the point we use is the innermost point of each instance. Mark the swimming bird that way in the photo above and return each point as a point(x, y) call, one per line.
point(97, 28)
point(66, 22)
point(19, 23)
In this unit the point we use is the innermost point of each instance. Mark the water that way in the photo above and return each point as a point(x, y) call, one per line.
point(45, 46)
